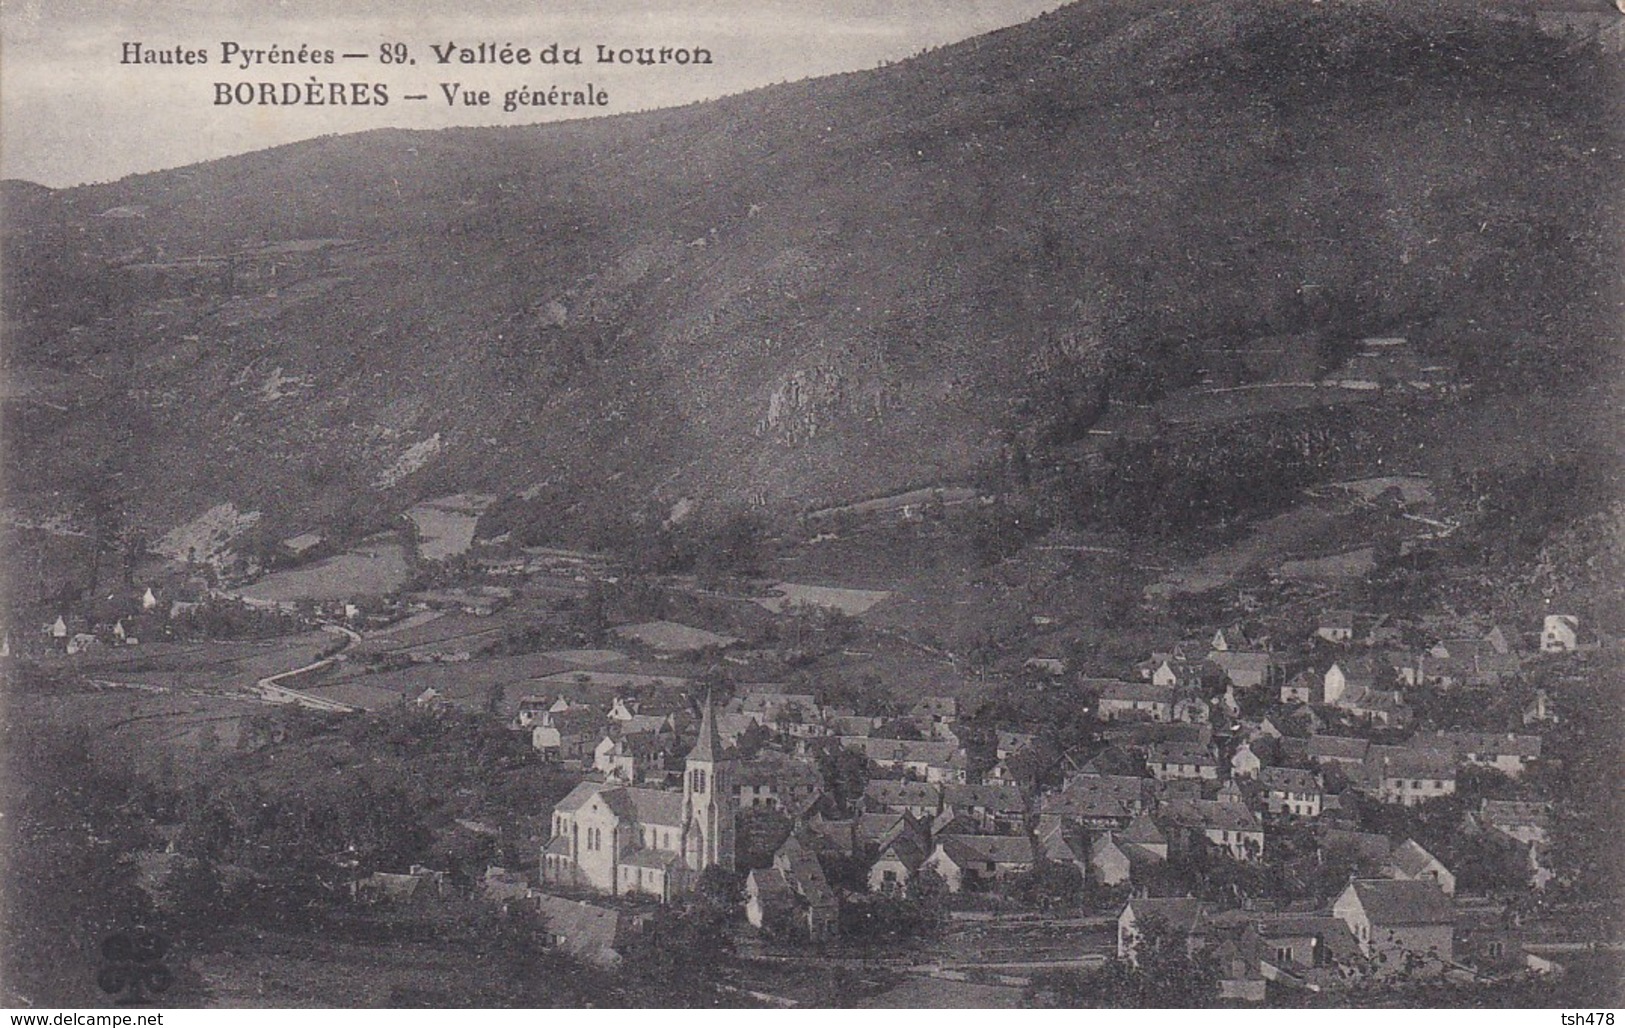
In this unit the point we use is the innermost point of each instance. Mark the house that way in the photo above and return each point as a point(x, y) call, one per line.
point(1175, 760)
point(1394, 919)
point(57, 629)
point(1244, 669)
point(1244, 763)
point(1490, 939)
point(567, 735)
point(1452, 662)
point(1290, 790)
point(1229, 826)
point(1507, 752)
point(1348, 678)
point(1409, 862)
point(635, 756)
point(895, 867)
point(1560, 633)
point(1168, 669)
point(931, 760)
point(1526, 822)
point(768, 899)
point(1539, 710)
point(1109, 863)
point(1407, 775)
point(919, 799)
point(1190, 708)
point(1336, 626)
point(1008, 744)
point(814, 900)
point(1378, 707)
point(1238, 954)
point(1136, 701)
point(1061, 841)
point(1099, 802)
point(1366, 848)
point(1304, 946)
point(1337, 749)
point(1185, 916)
point(1114, 858)
point(623, 840)
point(996, 809)
point(772, 706)
point(962, 860)
point(587, 931)
point(1304, 687)
point(1143, 833)
point(778, 782)
point(934, 710)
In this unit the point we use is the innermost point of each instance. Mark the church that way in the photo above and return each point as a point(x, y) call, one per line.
point(623, 840)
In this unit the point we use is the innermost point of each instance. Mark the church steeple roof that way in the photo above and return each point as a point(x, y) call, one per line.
point(709, 745)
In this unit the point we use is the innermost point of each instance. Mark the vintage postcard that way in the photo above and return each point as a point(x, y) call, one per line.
point(768, 504)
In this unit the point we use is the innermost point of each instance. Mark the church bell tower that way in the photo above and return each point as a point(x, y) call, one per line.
point(708, 800)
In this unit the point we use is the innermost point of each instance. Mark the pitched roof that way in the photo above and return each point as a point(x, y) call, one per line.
point(1411, 762)
point(656, 806)
point(1514, 812)
point(1487, 744)
point(805, 874)
point(776, 770)
point(1180, 753)
point(909, 794)
point(771, 888)
point(577, 798)
point(905, 850)
point(1338, 747)
point(1288, 779)
point(1098, 796)
point(1210, 815)
point(586, 928)
point(1183, 913)
point(1241, 660)
point(1411, 859)
point(1366, 845)
point(1005, 798)
point(1144, 831)
point(991, 849)
point(657, 859)
point(1389, 901)
point(921, 751)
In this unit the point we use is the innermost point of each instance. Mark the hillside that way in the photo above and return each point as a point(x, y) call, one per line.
point(824, 290)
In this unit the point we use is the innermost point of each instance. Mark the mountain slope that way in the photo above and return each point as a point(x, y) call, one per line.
point(819, 290)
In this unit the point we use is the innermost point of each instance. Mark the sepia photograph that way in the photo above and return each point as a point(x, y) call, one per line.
point(808, 504)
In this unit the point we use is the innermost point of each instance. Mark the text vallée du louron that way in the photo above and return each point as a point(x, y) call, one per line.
point(318, 91)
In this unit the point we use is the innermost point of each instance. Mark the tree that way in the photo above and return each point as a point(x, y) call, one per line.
point(845, 773)
point(1163, 973)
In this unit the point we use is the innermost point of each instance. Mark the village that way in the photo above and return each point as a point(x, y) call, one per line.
point(1359, 801)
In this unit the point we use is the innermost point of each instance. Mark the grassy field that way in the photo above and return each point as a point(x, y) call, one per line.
point(372, 569)
point(203, 666)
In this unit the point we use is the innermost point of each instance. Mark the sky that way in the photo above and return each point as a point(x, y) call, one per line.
point(71, 112)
